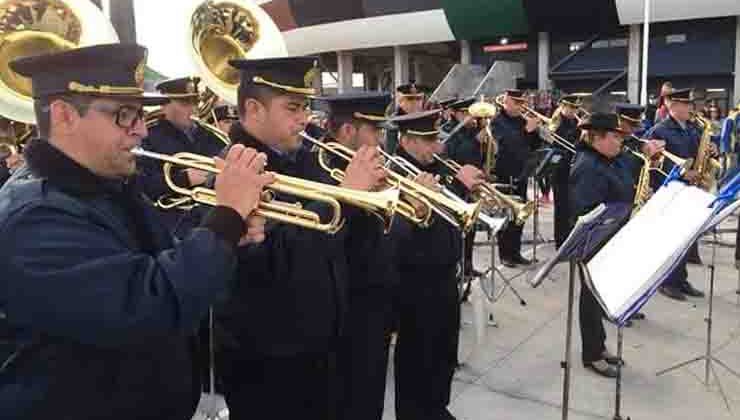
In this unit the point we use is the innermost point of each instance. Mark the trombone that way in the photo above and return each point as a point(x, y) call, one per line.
point(486, 112)
point(408, 188)
point(382, 204)
point(494, 197)
point(549, 135)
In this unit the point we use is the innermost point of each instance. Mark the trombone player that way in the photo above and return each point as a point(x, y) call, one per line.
point(564, 123)
point(104, 303)
point(517, 137)
point(174, 132)
point(287, 315)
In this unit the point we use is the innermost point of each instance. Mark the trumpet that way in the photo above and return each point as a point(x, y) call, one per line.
point(382, 204)
point(548, 135)
point(486, 112)
point(445, 203)
point(493, 197)
point(421, 216)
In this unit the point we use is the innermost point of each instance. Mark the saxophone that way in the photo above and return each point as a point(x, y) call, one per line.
point(705, 164)
point(642, 188)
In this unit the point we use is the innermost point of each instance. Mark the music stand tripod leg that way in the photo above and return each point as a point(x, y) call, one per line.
point(618, 393)
point(566, 363)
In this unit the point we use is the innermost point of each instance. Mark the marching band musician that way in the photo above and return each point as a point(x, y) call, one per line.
point(681, 138)
point(11, 157)
point(284, 321)
point(225, 116)
point(564, 124)
point(176, 132)
point(465, 147)
point(409, 99)
point(103, 305)
point(428, 309)
point(598, 176)
point(517, 137)
point(353, 121)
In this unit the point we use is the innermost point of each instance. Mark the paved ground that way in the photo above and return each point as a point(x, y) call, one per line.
point(515, 372)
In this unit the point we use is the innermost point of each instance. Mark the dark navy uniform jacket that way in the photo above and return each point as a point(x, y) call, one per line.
point(165, 138)
point(595, 179)
point(682, 142)
point(514, 145)
point(464, 148)
point(292, 291)
point(97, 302)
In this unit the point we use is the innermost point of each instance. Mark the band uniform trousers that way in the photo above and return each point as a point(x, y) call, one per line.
point(426, 349)
point(510, 237)
point(562, 200)
point(590, 314)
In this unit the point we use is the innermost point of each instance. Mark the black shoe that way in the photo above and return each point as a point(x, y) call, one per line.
point(638, 316)
point(508, 262)
point(601, 367)
point(694, 259)
point(628, 323)
point(672, 292)
point(611, 359)
point(519, 259)
point(473, 273)
point(690, 290)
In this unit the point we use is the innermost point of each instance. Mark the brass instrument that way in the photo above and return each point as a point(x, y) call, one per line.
point(29, 27)
point(408, 188)
point(382, 204)
point(445, 203)
point(548, 135)
point(704, 164)
point(492, 197)
point(222, 30)
point(486, 112)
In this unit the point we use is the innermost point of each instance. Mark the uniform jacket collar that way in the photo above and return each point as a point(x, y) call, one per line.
point(50, 163)
point(433, 168)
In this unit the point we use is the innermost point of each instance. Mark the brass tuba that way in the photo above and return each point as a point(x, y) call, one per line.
point(223, 30)
point(29, 27)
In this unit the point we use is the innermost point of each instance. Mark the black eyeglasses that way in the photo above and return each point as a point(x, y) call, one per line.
point(125, 116)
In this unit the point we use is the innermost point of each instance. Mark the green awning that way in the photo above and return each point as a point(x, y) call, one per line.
point(485, 19)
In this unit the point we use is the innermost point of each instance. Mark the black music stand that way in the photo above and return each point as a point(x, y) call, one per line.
point(591, 232)
point(541, 164)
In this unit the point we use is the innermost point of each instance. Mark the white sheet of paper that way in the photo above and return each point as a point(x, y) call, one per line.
point(648, 245)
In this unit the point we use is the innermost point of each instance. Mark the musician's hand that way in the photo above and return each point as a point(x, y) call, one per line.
point(713, 150)
point(242, 178)
point(196, 176)
point(653, 148)
point(255, 231)
point(365, 171)
point(691, 176)
point(428, 180)
point(14, 161)
point(532, 124)
point(470, 176)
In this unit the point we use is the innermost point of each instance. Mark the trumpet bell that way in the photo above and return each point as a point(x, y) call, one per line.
point(482, 109)
point(30, 27)
point(223, 30)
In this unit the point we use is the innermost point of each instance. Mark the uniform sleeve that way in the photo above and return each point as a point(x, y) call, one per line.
point(586, 192)
point(68, 277)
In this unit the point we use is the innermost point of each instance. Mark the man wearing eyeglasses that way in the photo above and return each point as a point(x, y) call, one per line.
point(175, 132)
point(96, 302)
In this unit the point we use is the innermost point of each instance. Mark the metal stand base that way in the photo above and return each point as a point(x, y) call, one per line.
point(618, 392)
point(493, 271)
point(708, 356)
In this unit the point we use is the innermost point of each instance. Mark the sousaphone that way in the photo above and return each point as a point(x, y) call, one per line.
point(31, 27)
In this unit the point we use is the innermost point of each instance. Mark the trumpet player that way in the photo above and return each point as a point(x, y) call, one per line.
point(409, 99)
point(103, 303)
point(681, 138)
point(427, 262)
point(565, 124)
point(285, 318)
point(362, 355)
point(175, 132)
point(517, 137)
point(225, 116)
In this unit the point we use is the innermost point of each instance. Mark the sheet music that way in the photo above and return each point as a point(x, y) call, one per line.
point(636, 259)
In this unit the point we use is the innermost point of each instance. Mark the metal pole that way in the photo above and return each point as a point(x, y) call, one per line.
point(566, 365)
point(645, 49)
point(618, 397)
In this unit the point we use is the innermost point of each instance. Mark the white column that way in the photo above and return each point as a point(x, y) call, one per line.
point(736, 89)
point(400, 65)
point(543, 60)
point(466, 54)
point(344, 70)
point(633, 65)
point(645, 50)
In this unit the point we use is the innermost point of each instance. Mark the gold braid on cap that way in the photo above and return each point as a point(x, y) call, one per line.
point(104, 89)
point(292, 89)
point(369, 117)
point(422, 133)
point(630, 119)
